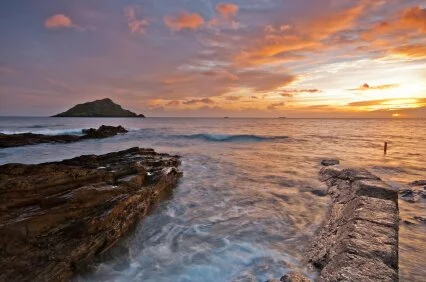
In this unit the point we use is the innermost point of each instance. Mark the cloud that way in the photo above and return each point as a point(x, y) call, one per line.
point(58, 21)
point(367, 87)
point(233, 98)
point(8, 71)
point(390, 104)
point(417, 51)
point(304, 35)
point(184, 20)
point(173, 103)
point(274, 106)
point(135, 24)
point(227, 10)
point(198, 101)
point(414, 17)
point(292, 92)
point(226, 14)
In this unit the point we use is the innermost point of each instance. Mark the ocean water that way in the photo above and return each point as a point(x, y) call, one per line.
point(245, 208)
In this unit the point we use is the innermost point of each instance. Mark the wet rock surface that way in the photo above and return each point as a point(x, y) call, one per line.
point(413, 194)
point(22, 139)
point(330, 162)
point(418, 183)
point(359, 239)
point(56, 217)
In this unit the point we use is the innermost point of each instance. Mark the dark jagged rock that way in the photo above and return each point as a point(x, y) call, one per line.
point(22, 139)
point(99, 108)
point(103, 131)
point(359, 238)
point(319, 192)
point(330, 162)
point(56, 217)
point(413, 194)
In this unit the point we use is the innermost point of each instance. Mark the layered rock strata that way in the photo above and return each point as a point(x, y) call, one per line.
point(56, 217)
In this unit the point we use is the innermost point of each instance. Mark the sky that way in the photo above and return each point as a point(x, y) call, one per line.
point(208, 58)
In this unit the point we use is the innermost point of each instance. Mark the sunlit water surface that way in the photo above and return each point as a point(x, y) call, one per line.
point(244, 209)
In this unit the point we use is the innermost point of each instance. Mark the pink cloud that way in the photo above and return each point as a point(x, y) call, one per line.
point(58, 21)
point(135, 24)
point(184, 20)
point(227, 10)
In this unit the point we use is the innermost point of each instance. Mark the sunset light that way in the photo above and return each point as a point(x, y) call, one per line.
point(213, 140)
point(326, 58)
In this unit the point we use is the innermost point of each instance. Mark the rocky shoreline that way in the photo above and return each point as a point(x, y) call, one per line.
point(23, 139)
point(358, 241)
point(56, 217)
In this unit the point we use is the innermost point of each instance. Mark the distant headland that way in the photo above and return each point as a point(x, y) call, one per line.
point(99, 108)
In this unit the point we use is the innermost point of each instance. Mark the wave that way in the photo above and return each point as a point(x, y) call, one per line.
point(44, 125)
point(73, 131)
point(232, 138)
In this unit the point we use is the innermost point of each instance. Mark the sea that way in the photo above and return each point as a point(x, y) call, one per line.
point(250, 199)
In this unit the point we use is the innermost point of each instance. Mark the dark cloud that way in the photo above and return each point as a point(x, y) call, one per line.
point(198, 101)
point(274, 106)
point(367, 87)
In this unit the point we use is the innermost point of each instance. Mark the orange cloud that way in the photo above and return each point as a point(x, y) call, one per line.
point(198, 101)
point(390, 104)
point(414, 18)
point(408, 24)
point(413, 51)
point(58, 21)
point(305, 35)
point(135, 25)
point(292, 92)
point(227, 10)
point(274, 106)
point(184, 20)
point(367, 87)
point(173, 103)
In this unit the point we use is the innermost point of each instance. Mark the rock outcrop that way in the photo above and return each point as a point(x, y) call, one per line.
point(56, 217)
point(359, 238)
point(99, 108)
point(330, 162)
point(22, 139)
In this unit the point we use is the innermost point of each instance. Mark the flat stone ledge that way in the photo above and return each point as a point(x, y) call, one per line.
point(359, 239)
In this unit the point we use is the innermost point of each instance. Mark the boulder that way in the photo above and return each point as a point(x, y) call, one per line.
point(330, 162)
point(56, 217)
point(103, 131)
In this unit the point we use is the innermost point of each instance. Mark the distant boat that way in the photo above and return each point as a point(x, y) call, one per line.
point(281, 117)
point(225, 117)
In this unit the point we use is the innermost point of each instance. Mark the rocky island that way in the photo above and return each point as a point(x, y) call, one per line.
point(22, 139)
point(99, 108)
point(56, 217)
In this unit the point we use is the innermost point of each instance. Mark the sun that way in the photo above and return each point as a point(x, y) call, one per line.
point(396, 115)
